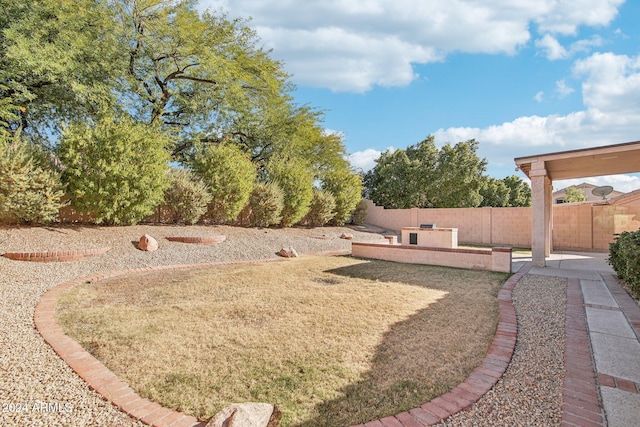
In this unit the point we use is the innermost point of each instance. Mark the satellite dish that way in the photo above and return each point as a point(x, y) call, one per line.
point(602, 191)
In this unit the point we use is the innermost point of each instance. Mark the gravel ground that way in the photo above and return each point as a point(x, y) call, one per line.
point(530, 392)
point(38, 389)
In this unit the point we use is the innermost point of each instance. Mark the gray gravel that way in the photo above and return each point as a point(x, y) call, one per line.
point(31, 374)
point(36, 387)
point(530, 392)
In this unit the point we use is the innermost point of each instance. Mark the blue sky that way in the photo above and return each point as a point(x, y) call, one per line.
point(532, 77)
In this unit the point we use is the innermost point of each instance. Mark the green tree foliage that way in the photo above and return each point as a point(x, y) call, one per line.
point(30, 191)
point(346, 188)
point(423, 176)
point(295, 178)
point(187, 197)
point(230, 176)
point(494, 193)
point(322, 208)
point(519, 191)
point(115, 169)
point(265, 202)
point(57, 63)
point(573, 195)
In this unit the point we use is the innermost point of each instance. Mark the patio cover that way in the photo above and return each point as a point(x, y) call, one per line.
point(543, 169)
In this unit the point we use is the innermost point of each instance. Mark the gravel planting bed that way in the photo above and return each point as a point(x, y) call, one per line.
point(38, 389)
point(530, 391)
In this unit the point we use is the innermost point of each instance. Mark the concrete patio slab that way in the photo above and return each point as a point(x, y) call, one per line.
point(622, 408)
point(617, 356)
point(609, 322)
point(596, 292)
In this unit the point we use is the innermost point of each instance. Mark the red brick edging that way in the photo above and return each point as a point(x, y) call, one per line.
point(53, 256)
point(580, 398)
point(102, 380)
point(199, 240)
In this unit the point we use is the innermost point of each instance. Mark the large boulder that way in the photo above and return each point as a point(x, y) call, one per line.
point(147, 243)
point(288, 252)
point(248, 414)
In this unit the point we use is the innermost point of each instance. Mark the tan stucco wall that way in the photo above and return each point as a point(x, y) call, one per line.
point(575, 226)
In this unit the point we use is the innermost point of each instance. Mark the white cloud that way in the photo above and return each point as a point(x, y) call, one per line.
point(562, 89)
point(351, 46)
point(366, 159)
point(611, 93)
point(551, 47)
point(539, 97)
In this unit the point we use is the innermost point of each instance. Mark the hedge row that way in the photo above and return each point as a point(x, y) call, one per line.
point(624, 257)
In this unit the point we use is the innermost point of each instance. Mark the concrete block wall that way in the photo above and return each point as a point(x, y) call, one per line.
point(581, 226)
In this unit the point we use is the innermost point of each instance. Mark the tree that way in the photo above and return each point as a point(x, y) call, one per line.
point(423, 176)
point(573, 194)
point(229, 175)
point(114, 169)
point(494, 193)
point(57, 62)
point(519, 191)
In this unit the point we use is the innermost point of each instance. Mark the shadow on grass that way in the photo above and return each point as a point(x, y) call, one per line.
point(423, 356)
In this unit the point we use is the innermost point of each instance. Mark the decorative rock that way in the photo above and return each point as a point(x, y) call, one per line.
point(147, 243)
point(288, 253)
point(243, 415)
point(347, 236)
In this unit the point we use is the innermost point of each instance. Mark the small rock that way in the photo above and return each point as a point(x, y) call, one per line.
point(347, 236)
point(288, 252)
point(147, 243)
point(243, 415)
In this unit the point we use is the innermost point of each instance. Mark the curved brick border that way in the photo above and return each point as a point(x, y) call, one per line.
point(52, 256)
point(199, 240)
point(102, 380)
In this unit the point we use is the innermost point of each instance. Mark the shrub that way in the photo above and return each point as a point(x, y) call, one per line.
point(265, 203)
point(30, 189)
point(322, 208)
point(295, 179)
point(230, 176)
point(187, 197)
point(359, 215)
point(346, 188)
point(624, 257)
point(115, 169)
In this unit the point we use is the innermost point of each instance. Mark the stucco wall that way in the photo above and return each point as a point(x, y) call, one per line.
point(581, 226)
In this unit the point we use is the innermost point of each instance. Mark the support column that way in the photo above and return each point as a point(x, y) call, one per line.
point(541, 205)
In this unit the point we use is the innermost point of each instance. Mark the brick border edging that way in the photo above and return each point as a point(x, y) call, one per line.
point(56, 256)
point(103, 381)
point(480, 381)
point(580, 397)
point(198, 240)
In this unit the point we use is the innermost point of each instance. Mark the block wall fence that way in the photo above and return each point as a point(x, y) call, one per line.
point(575, 226)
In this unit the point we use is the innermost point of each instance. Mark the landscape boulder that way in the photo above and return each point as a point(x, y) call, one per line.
point(248, 414)
point(347, 236)
point(288, 252)
point(147, 243)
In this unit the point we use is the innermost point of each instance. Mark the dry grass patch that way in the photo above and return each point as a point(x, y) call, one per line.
point(330, 341)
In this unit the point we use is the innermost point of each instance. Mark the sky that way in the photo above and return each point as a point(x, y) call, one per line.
point(522, 77)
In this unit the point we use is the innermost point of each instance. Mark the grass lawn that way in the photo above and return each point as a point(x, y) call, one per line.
point(331, 341)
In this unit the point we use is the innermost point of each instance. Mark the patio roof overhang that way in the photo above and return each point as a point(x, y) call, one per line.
point(598, 161)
